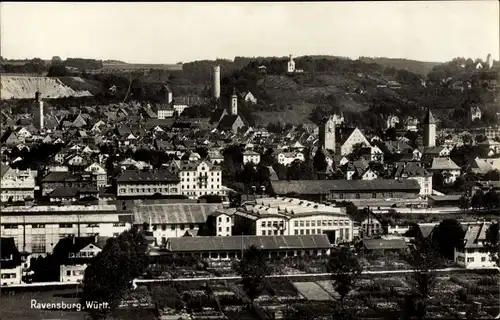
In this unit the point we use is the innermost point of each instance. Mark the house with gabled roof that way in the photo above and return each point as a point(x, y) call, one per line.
point(472, 253)
point(447, 167)
point(10, 262)
point(75, 253)
point(415, 170)
point(347, 138)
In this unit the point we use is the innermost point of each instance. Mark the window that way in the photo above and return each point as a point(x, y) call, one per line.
point(470, 259)
point(227, 229)
point(38, 245)
point(68, 273)
point(119, 224)
point(220, 229)
point(10, 226)
point(93, 225)
point(296, 232)
point(191, 226)
point(296, 223)
point(65, 225)
point(263, 224)
point(374, 195)
point(182, 227)
point(228, 219)
point(38, 226)
point(313, 223)
point(172, 227)
point(264, 232)
point(301, 223)
point(483, 259)
point(358, 196)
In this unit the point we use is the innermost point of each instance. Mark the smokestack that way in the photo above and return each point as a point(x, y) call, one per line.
point(216, 82)
point(489, 61)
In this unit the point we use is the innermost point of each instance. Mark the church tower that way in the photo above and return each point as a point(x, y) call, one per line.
point(327, 134)
point(291, 65)
point(234, 103)
point(429, 130)
point(37, 112)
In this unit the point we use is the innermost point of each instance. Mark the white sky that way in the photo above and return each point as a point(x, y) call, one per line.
point(173, 32)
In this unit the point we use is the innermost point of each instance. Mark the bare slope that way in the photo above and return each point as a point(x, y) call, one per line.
point(19, 87)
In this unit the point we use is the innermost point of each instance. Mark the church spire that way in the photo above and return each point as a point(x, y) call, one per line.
point(429, 118)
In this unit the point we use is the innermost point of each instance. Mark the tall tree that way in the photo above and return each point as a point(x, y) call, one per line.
point(492, 242)
point(447, 236)
point(109, 274)
point(253, 269)
point(345, 269)
point(319, 161)
point(424, 258)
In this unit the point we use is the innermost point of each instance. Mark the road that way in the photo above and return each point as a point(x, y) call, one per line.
point(230, 278)
point(304, 275)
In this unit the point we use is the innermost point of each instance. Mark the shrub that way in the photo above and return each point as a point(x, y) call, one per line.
point(487, 281)
point(463, 295)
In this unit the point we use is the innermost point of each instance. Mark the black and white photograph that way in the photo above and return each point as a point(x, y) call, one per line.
point(330, 160)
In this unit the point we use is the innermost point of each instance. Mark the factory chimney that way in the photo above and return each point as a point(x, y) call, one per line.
point(216, 83)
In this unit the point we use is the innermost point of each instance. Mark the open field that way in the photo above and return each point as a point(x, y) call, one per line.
point(228, 298)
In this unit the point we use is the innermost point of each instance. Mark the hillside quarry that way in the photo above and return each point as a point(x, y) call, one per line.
point(20, 87)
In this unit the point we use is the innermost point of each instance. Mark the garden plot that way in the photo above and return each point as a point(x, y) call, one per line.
point(312, 291)
point(445, 286)
point(328, 287)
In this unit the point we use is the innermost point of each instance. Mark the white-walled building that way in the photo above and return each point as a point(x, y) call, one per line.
point(289, 216)
point(473, 254)
point(415, 171)
point(172, 220)
point(76, 253)
point(286, 158)
point(447, 167)
point(165, 112)
point(251, 156)
point(354, 138)
point(10, 262)
point(179, 108)
point(198, 178)
point(290, 65)
point(99, 173)
point(37, 229)
point(16, 185)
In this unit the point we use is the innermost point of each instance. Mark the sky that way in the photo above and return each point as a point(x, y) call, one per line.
point(182, 32)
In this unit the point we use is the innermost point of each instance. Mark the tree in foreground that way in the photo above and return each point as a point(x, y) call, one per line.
point(345, 269)
point(447, 236)
point(253, 269)
point(492, 244)
point(424, 259)
point(107, 277)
